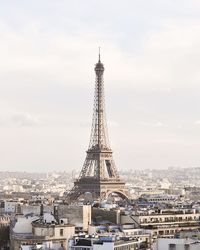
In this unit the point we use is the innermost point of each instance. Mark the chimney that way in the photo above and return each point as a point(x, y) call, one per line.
point(41, 210)
point(55, 212)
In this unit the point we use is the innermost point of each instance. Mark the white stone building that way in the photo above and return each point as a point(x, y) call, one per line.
point(176, 244)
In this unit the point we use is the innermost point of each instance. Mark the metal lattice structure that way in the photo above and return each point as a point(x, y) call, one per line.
point(99, 175)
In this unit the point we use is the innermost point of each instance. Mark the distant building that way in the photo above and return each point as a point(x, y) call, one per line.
point(11, 206)
point(162, 198)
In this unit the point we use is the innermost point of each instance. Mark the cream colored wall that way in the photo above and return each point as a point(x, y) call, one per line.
point(87, 214)
point(44, 231)
point(67, 232)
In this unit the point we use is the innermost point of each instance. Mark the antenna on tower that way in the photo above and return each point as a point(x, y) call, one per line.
point(99, 54)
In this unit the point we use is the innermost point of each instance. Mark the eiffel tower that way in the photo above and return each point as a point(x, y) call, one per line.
point(99, 175)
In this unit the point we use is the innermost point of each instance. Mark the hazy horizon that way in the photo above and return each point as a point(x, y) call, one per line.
point(151, 54)
point(77, 171)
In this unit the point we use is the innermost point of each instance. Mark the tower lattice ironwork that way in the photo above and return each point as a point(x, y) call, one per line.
point(99, 175)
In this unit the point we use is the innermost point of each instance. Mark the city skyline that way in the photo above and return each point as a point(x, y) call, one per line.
point(151, 55)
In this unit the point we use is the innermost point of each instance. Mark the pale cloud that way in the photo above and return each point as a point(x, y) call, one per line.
point(162, 89)
point(112, 124)
point(19, 120)
point(153, 124)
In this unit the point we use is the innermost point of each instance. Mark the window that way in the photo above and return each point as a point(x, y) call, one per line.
point(172, 247)
point(61, 232)
point(187, 246)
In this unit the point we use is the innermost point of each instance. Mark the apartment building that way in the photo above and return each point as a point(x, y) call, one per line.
point(166, 222)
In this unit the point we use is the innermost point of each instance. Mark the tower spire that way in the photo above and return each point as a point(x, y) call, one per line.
point(99, 54)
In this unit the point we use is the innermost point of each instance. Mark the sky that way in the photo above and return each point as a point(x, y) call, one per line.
point(151, 53)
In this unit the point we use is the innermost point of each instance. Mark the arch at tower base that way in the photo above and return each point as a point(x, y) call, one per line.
point(100, 189)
